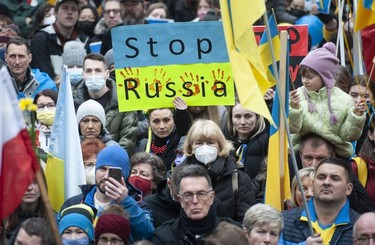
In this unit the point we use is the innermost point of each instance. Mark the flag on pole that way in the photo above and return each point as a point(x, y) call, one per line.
point(265, 52)
point(18, 160)
point(249, 74)
point(277, 180)
point(364, 17)
point(65, 170)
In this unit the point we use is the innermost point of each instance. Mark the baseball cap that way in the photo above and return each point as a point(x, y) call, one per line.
point(59, 2)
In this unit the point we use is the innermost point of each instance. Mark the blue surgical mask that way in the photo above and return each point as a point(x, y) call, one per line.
point(75, 75)
point(82, 241)
point(95, 83)
point(179, 159)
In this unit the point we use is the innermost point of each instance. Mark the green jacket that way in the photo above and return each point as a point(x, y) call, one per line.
point(347, 129)
point(122, 126)
point(20, 10)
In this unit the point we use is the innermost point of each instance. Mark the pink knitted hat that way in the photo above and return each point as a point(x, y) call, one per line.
point(324, 62)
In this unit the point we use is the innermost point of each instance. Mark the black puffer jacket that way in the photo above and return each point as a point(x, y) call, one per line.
point(180, 231)
point(257, 150)
point(163, 207)
point(220, 171)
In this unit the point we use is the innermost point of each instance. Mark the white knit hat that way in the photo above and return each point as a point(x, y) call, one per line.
point(91, 108)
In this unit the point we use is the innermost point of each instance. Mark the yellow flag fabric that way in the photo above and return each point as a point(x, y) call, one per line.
point(364, 17)
point(55, 181)
point(249, 74)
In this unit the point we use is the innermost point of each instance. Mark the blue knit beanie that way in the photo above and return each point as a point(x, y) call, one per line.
point(113, 156)
point(80, 216)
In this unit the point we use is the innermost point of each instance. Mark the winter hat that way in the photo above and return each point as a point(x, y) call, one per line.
point(114, 156)
point(109, 58)
point(79, 215)
point(325, 63)
point(74, 53)
point(113, 223)
point(91, 108)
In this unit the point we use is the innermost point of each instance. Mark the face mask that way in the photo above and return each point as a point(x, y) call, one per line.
point(95, 83)
point(86, 27)
point(49, 20)
point(46, 116)
point(75, 75)
point(205, 153)
point(179, 159)
point(297, 12)
point(82, 241)
point(90, 176)
point(143, 184)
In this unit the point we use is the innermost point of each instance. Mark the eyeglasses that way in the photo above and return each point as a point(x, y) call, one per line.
point(364, 240)
point(89, 165)
point(201, 196)
point(50, 106)
point(115, 11)
point(114, 241)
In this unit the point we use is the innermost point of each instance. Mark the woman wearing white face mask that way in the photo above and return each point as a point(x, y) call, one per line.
point(206, 145)
point(90, 149)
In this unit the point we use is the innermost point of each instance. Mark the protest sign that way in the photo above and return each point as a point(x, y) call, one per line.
point(155, 63)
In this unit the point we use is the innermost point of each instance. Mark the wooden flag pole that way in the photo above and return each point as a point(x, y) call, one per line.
point(51, 218)
point(283, 39)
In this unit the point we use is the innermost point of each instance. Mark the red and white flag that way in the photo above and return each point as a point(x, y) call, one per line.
point(18, 163)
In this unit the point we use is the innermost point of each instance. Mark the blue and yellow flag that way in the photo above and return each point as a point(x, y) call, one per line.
point(365, 15)
point(369, 4)
point(249, 74)
point(64, 171)
point(277, 182)
point(265, 49)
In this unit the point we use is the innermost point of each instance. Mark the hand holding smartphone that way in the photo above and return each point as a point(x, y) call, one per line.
point(116, 173)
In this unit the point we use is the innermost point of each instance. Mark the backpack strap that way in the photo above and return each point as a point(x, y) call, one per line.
point(362, 170)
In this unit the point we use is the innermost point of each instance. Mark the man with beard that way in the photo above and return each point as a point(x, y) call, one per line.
point(133, 13)
point(330, 215)
point(108, 191)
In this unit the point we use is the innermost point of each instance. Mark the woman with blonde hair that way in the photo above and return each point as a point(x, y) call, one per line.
point(206, 145)
point(263, 224)
point(249, 134)
point(306, 175)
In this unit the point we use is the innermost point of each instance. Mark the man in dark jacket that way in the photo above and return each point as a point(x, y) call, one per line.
point(47, 45)
point(198, 216)
point(330, 215)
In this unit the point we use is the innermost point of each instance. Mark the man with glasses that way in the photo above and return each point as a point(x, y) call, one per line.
point(18, 58)
point(364, 230)
point(133, 13)
point(198, 217)
point(111, 18)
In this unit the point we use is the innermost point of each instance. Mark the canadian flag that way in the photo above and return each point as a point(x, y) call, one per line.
point(18, 163)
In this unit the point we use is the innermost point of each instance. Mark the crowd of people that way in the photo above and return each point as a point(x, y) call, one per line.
point(188, 174)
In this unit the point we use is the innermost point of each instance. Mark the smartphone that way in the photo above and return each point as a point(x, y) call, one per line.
point(116, 173)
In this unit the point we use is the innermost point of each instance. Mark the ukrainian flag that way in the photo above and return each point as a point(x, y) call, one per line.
point(64, 170)
point(277, 182)
point(365, 15)
point(249, 75)
point(265, 50)
point(369, 4)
